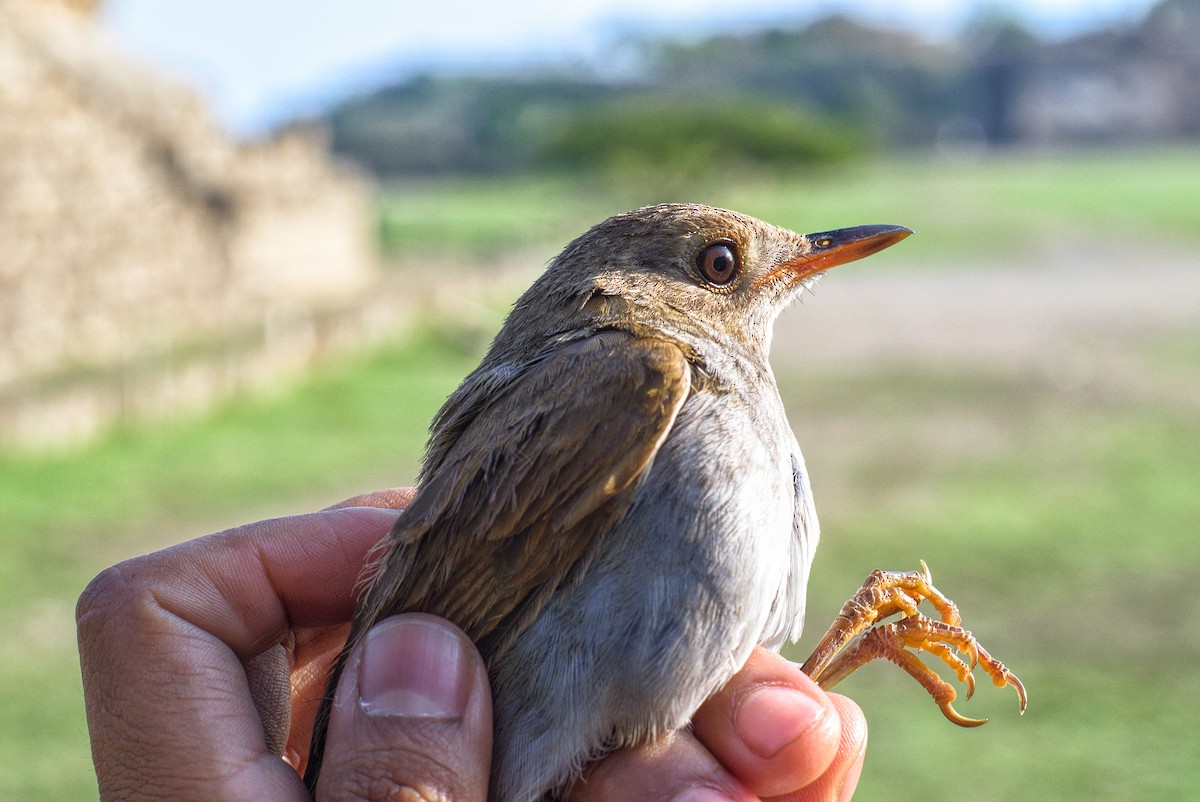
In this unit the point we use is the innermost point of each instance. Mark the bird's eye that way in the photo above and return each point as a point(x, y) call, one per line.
point(718, 263)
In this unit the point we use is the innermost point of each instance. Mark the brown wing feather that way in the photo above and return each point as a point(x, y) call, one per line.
point(513, 504)
point(522, 493)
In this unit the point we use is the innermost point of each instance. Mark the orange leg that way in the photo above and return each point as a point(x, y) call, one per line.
point(854, 640)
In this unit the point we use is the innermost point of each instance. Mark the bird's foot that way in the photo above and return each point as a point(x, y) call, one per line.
point(854, 640)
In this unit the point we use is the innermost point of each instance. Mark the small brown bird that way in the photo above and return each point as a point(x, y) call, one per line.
point(613, 505)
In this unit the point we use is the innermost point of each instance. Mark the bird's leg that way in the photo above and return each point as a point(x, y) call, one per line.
point(854, 639)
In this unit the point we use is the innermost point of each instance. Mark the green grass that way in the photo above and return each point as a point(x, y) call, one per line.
point(1070, 545)
point(1072, 558)
point(1071, 551)
point(1002, 208)
point(355, 427)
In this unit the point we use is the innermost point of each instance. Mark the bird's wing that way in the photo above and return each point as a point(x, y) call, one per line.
point(514, 504)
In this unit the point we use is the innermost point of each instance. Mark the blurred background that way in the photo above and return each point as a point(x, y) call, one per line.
point(246, 250)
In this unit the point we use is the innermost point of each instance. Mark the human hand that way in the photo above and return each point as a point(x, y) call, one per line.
point(202, 662)
point(770, 733)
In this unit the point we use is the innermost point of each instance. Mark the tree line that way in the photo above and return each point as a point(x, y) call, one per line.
point(826, 92)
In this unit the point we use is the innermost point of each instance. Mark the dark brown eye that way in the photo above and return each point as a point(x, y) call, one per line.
point(718, 263)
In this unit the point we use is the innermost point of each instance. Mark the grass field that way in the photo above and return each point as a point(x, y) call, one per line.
point(1049, 475)
point(961, 210)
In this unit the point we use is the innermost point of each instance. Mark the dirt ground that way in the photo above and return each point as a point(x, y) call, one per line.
point(1090, 317)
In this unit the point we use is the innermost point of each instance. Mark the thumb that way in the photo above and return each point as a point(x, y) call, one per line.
point(411, 717)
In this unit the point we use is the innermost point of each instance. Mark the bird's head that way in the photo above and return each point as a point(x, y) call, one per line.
point(694, 273)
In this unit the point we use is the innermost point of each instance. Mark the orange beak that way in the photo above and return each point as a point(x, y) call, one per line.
point(833, 248)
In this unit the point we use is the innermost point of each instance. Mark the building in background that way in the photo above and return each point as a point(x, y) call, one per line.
point(148, 263)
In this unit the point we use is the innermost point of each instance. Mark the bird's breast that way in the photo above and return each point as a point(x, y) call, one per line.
point(685, 582)
point(669, 602)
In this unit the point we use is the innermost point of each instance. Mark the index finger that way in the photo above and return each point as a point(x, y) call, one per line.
point(163, 639)
point(249, 585)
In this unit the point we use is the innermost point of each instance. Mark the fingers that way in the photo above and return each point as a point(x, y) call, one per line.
point(779, 734)
point(313, 657)
point(411, 718)
point(394, 498)
point(248, 586)
point(676, 768)
point(839, 780)
point(770, 732)
point(163, 639)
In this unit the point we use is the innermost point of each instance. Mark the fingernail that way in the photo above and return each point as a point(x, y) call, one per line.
point(702, 795)
point(772, 717)
point(415, 667)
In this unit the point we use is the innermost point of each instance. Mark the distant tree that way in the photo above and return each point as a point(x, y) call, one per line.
point(433, 125)
point(690, 135)
point(813, 93)
point(889, 81)
point(1001, 53)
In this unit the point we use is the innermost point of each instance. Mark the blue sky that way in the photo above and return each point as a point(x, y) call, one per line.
point(257, 62)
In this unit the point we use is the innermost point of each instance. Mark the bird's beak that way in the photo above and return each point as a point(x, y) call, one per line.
point(833, 248)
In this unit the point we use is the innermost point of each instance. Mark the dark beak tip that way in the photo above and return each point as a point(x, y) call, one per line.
point(843, 236)
point(892, 233)
point(832, 248)
point(898, 233)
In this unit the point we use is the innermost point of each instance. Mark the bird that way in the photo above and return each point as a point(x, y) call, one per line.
point(613, 505)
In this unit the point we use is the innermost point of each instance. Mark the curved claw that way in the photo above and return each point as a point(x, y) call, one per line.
point(925, 571)
point(973, 651)
point(955, 717)
point(1020, 686)
point(1001, 676)
point(970, 685)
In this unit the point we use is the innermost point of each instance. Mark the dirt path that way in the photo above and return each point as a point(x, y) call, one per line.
point(1106, 318)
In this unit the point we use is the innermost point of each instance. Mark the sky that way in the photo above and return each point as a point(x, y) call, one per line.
point(261, 62)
